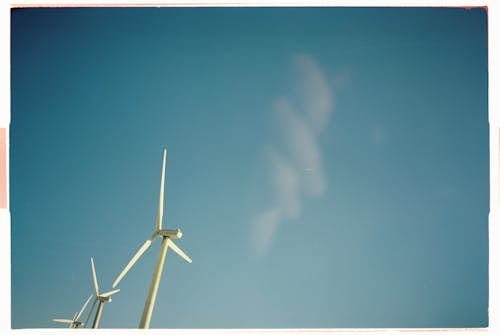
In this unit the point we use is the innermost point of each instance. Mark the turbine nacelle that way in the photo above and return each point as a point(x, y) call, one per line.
point(104, 299)
point(173, 234)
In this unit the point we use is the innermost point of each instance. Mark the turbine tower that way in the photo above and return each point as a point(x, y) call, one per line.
point(74, 323)
point(102, 298)
point(167, 236)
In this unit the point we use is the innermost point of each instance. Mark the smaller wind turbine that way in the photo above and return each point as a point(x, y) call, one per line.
point(74, 323)
point(102, 298)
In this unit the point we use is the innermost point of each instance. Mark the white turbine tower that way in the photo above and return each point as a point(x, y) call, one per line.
point(167, 236)
point(74, 323)
point(102, 298)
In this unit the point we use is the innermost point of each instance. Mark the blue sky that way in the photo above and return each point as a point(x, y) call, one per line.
point(328, 167)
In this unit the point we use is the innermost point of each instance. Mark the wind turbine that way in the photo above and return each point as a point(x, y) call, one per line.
point(74, 323)
point(167, 236)
point(102, 298)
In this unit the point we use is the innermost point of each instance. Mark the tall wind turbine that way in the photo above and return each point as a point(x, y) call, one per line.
point(102, 298)
point(74, 323)
point(167, 236)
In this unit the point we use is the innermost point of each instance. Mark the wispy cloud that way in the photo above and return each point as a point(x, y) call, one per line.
point(286, 186)
point(264, 226)
point(297, 170)
point(301, 142)
point(313, 91)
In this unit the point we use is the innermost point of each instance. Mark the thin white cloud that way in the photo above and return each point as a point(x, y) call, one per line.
point(297, 172)
point(286, 186)
point(285, 182)
point(313, 91)
point(264, 226)
point(302, 145)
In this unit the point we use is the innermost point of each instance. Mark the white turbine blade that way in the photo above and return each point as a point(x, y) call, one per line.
point(134, 259)
point(96, 286)
point(159, 218)
point(178, 250)
point(83, 308)
point(90, 312)
point(62, 320)
point(107, 294)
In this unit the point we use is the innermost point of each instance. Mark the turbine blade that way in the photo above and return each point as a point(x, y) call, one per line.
point(178, 250)
point(83, 308)
point(62, 320)
point(134, 259)
point(159, 218)
point(107, 294)
point(74, 316)
point(90, 312)
point(96, 286)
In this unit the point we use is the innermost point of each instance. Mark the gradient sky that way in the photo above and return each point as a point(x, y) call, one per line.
point(329, 167)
